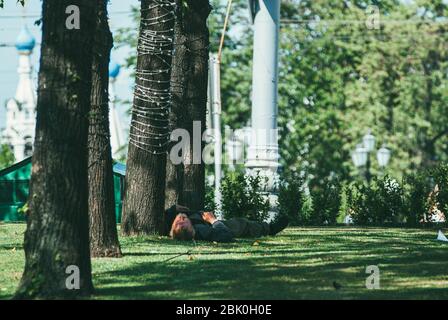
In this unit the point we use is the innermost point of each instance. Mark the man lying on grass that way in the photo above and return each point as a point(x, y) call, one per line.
point(185, 224)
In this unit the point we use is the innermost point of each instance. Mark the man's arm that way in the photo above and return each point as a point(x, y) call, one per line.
point(218, 232)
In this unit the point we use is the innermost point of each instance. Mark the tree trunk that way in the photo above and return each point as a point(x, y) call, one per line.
point(189, 82)
point(103, 226)
point(174, 183)
point(146, 165)
point(195, 26)
point(174, 173)
point(57, 235)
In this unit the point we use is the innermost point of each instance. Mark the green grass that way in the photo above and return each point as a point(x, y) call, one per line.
point(300, 263)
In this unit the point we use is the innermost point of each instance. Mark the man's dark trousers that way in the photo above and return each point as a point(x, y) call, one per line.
point(244, 228)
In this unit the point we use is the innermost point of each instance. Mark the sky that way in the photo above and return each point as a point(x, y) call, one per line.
point(11, 22)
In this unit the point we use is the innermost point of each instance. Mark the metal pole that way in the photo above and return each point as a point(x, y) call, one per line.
point(368, 174)
point(216, 103)
point(263, 150)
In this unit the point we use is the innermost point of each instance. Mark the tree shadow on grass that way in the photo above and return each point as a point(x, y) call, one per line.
point(256, 278)
point(285, 271)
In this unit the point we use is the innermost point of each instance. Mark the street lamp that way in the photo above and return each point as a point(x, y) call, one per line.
point(361, 155)
point(383, 156)
point(369, 141)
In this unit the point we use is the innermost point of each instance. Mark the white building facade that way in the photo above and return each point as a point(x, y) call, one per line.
point(20, 126)
point(21, 110)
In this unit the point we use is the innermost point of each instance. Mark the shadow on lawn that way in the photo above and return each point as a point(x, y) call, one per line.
point(284, 270)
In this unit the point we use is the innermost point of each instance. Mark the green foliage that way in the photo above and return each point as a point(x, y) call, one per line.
point(24, 209)
point(440, 177)
point(344, 208)
point(291, 198)
point(378, 203)
point(417, 188)
point(338, 78)
point(326, 201)
point(209, 198)
point(6, 156)
point(242, 197)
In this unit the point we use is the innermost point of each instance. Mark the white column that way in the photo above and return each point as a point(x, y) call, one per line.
point(263, 149)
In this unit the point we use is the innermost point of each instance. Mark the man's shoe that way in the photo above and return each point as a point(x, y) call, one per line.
point(278, 225)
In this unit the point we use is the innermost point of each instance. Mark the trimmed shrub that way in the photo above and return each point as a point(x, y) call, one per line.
point(326, 202)
point(209, 199)
point(417, 189)
point(440, 176)
point(291, 198)
point(381, 202)
point(242, 196)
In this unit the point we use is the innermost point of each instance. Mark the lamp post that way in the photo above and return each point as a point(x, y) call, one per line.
point(369, 144)
point(360, 159)
point(383, 156)
point(361, 155)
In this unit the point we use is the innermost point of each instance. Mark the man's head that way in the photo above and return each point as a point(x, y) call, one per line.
point(182, 229)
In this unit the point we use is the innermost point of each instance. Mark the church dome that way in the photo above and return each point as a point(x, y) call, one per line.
point(25, 41)
point(114, 69)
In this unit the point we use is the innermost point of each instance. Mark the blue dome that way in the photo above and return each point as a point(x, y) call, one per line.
point(25, 41)
point(114, 69)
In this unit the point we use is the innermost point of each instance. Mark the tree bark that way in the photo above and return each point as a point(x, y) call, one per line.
point(174, 173)
point(143, 206)
point(57, 233)
point(174, 183)
point(189, 82)
point(103, 227)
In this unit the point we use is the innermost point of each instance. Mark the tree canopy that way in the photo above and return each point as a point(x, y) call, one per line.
point(338, 78)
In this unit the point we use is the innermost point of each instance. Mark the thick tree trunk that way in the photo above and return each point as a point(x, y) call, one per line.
point(189, 82)
point(57, 236)
point(195, 26)
point(146, 165)
point(174, 172)
point(103, 226)
point(174, 184)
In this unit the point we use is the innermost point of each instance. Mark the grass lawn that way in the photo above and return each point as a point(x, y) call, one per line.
point(299, 263)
